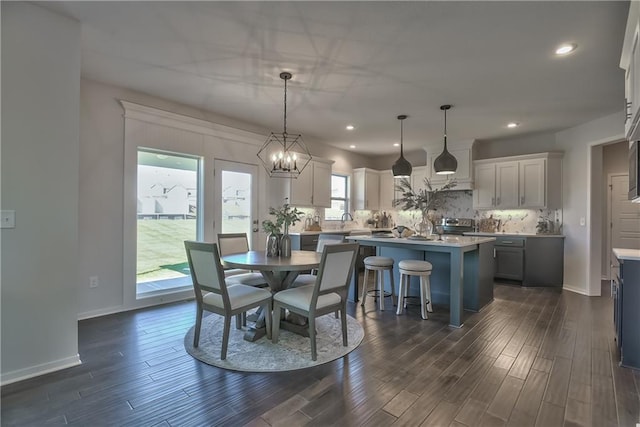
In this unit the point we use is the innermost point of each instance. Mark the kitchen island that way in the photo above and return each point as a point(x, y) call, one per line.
point(462, 274)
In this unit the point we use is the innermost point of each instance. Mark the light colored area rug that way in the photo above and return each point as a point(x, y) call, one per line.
point(291, 352)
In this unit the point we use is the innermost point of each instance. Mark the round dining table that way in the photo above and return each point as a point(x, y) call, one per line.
point(279, 273)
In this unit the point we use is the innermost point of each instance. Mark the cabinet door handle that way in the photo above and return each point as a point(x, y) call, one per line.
point(493, 201)
point(522, 200)
point(498, 201)
point(507, 242)
point(494, 252)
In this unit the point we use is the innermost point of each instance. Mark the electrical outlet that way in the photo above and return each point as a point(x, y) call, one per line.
point(8, 219)
point(93, 282)
point(583, 221)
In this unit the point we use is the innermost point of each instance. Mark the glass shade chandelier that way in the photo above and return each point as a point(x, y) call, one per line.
point(284, 155)
point(445, 163)
point(401, 168)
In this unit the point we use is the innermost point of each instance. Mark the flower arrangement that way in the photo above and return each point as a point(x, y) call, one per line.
point(285, 215)
point(426, 199)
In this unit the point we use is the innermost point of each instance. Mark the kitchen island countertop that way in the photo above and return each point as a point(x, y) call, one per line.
point(481, 233)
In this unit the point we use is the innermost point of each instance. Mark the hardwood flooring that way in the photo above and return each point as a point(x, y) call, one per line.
point(533, 357)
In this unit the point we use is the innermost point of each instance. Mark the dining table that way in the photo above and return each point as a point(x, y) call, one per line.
point(279, 273)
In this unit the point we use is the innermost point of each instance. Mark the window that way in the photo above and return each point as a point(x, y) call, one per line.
point(339, 198)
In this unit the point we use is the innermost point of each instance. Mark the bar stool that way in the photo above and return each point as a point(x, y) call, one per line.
point(422, 269)
point(378, 264)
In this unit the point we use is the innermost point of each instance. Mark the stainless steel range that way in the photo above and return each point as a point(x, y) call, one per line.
point(457, 225)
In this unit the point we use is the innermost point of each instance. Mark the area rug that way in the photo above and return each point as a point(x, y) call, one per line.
point(290, 353)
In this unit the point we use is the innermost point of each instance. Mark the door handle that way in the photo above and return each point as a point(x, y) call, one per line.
point(255, 229)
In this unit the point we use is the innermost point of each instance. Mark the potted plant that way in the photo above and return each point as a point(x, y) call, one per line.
point(425, 199)
point(286, 216)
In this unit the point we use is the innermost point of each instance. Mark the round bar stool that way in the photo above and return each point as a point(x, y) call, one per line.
point(422, 269)
point(378, 264)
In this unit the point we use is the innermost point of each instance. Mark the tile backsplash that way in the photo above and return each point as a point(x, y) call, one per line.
point(460, 205)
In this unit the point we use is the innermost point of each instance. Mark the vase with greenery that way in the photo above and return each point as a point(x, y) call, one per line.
point(285, 216)
point(427, 200)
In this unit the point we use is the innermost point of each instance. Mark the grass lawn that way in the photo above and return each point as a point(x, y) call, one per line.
point(161, 253)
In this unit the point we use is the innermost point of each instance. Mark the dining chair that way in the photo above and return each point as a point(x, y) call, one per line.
point(327, 295)
point(214, 295)
point(323, 240)
point(234, 243)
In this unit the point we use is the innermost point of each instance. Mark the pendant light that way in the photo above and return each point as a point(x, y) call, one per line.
point(284, 155)
point(445, 163)
point(401, 168)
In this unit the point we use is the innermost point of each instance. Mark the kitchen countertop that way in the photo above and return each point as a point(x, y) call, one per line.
point(627, 254)
point(513, 234)
point(345, 232)
point(448, 241)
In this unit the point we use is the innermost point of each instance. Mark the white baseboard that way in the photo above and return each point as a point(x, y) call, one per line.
point(34, 371)
point(575, 290)
point(101, 312)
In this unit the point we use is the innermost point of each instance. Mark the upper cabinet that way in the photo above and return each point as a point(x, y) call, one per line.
point(313, 187)
point(630, 62)
point(463, 176)
point(387, 190)
point(532, 181)
point(366, 189)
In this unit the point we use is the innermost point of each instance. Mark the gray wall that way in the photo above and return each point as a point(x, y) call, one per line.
point(40, 121)
point(527, 144)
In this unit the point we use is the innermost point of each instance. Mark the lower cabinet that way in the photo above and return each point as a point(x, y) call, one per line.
point(533, 261)
point(626, 313)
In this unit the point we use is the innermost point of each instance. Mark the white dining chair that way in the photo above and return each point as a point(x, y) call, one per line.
point(327, 295)
point(323, 240)
point(234, 243)
point(213, 294)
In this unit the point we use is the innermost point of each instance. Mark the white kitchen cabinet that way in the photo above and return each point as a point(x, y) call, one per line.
point(387, 189)
point(418, 175)
point(531, 181)
point(463, 175)
point(366, 189)
point(313, 186)
point(630, 62)
point(506, 185)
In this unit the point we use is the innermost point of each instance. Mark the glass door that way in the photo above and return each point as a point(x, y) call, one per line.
point(168, 213)
point(236, 199)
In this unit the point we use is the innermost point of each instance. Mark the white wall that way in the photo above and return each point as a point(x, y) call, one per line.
point(101, 195)
point(40, 122)
point(527, 144)
point(580, 200)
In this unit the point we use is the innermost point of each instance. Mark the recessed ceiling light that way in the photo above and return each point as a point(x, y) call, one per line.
point(350, 127)
point(566, 48)
point(352, 146)
point(513, 125)
point(396, 144)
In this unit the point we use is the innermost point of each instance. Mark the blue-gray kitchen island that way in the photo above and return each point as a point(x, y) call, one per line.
point(463, 268)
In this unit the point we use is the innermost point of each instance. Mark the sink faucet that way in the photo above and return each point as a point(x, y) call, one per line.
point(344, 218)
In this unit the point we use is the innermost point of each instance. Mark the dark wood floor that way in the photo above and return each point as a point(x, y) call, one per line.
point(532, 357)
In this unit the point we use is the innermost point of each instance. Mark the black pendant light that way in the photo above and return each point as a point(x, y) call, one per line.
point(445, 163)
point(401, 168)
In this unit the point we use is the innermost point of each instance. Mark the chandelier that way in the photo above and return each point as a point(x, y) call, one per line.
point(284, 155)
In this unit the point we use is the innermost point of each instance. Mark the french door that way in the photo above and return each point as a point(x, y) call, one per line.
point(236, 199)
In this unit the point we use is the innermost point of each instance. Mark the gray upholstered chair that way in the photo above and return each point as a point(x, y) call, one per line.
point(323, 239)
point(213, 294)
point(327, 295)
point(235, 243)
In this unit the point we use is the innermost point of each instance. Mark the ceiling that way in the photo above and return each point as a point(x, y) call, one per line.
point(364, 63)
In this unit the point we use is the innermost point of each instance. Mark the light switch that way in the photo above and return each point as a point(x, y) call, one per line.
point(8, 219)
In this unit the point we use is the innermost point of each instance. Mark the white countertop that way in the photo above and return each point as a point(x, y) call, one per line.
point(345, 231)
point(450, 241)
point(513, 234)
point(627, 254)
